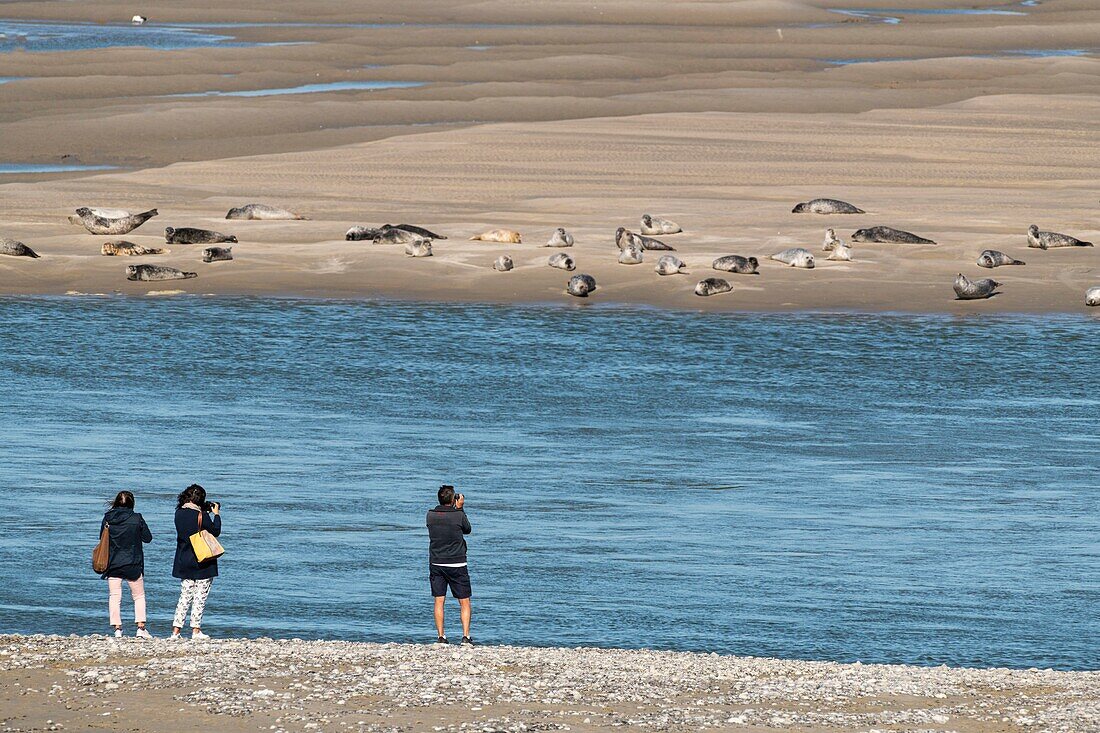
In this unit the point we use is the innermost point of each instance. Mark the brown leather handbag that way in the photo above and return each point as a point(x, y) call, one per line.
point(101, 555)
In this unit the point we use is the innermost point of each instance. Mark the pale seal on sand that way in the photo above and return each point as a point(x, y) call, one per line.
point(1049, 240)
point(14, 248)
point(967, 289)
point(113, 225)
point(737, 263)
point(356, 234)
point(560, 238)
point(562, 261)
point(425, 233)
point(503, 263)
point(831, 241)
point(581, 285)
point(795, 257)
point(138, 20)
point(826, 206)
point(625, 237)
point(393, 235)
point(122, 248)
point(670, 265)
point(991, 258)
point(888, 235)
point(841, 253)
point(630, 255)
point(217, 254)
point(712, 286)
point(157, 272)
point(102, 213)
point(1092, 296)
point(656, 225)
point(263, 212)
point(504, 236)
point(190, 235)
point(423, 248)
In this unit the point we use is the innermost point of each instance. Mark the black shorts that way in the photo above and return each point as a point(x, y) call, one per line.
point(458, 579)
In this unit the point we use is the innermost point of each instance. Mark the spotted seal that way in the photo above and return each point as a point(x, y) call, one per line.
point(503, 264)
point(737, 263)
point(14, 248)
point(1050, 240)
point(624, 237)
point(263, 212)
point(190, 235)
point(831, 241)
point(841, 253)
point(562, 261)
point(670, 265)
point(1092, 296)
point(967, 289)
point(630, 255)
point(358, 234)
point(560, 238)
point(580, 285)
point(991, 258)
point(421, 231)
point(394, 235)
point(113, 225)
point(157, 272)
point(656, 225)
point(504, 236)
point(217, 254)
point(795, 257)
point(712, 286)
point(888, 235)
point(826, 206)
point(423, 248)
point(102, 213)
point(122, 248)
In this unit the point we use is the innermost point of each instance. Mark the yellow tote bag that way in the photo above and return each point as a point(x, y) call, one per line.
point(205, 545)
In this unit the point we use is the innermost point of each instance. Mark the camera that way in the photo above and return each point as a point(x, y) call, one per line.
point(209, 506)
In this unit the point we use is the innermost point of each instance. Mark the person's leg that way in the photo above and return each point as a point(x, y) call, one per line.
point(440, 602)
point(461, 590)
point(187, 590)
point(114, 601)
point(202, 590)
point(137, 592)
point(466, 612)
point(438, 581)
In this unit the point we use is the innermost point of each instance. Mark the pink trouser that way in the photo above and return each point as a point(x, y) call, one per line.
point(137, 592)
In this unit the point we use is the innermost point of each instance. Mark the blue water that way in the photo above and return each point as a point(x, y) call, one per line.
point(51, 36)
point(336, 86)
point(16, 168)
point(882, 488)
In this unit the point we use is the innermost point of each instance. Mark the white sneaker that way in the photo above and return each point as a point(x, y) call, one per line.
point(118, 633)
point(174, 637)
point(143, 634)
point(199, 636)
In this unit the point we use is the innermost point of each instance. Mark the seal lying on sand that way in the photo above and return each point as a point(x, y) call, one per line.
point(656, 225)
point(356, 234)
point(562, 261)
point(967, 289)
point(422, 248)
point(113, 225)
point(157, 272)
point(560, 238)
point(217, 254)
point(841, 253)
point(826, 206)
point(102, 213)
point(189, 235)
point(262, 211)
point(504, 236)
point(993, 258)
point(425, 233)
point(122, 248)
point(14, 248)
point(630, 255)
point(393, 235)
point(581, 285)
point(624, 237)
point(503, 264)
point(737, 263)
point(1050, 240)
point(670, 265)
point(888, 235)
point(831, 241)
point(713, 286)
point(795, 257)
point(1092, 296)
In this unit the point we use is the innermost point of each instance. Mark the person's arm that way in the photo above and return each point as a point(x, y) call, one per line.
point(146, 535)
point(466, 528)
point(102, 524)
point(215, 526)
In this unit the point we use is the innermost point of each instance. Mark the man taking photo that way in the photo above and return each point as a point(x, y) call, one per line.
point(447, 527)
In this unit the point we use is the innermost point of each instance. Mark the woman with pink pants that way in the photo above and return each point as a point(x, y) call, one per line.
point(126, 560)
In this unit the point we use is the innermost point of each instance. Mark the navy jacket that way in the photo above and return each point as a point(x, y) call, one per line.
point(186, 566)
point(127, 533)
point(446, 527)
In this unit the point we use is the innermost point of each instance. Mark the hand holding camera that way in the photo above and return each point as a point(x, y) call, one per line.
point(212, 507)
point(460, 500)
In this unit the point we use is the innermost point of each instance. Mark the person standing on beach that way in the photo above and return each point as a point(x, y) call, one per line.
point(127, 533)
point(447, 527)
point(194, 513)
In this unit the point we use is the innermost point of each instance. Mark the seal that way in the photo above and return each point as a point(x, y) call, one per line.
point(841, 253)
point(263, 212)
point(630, 255)
point(103, 213)
point(560, 238)
point(357, 234)
point(624, 237)
point(1092, 296)
point(157, 272)
point(737, 263)
point(504, 236)
point(113, 225)
point(138, 20)
point(670, 265)
point(423, 248)
point(826, 206)
point(795, 257)
point(562, 261)
point(712, 286)
point(14, 248)
point(188, 235)
point(421, 231)
point(122, 248)
point(580, 285)
point(217, 254)
point(993, 258)
point(967, 289)
point(656, 225)
point(888, 235)
point(394, 235)
point(831, 241)
point(503, 264)
point(1049, 240)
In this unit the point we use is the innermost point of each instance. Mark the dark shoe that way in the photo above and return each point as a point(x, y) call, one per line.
point(467, 641)
point(441, 640)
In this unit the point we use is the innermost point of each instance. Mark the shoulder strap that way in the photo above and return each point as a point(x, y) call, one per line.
point(200, 519)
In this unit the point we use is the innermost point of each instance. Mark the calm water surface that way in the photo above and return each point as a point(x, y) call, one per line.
point(890, 489)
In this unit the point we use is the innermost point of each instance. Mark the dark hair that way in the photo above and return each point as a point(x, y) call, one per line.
point(123, 499)
point(446, 495)
point(194, 494)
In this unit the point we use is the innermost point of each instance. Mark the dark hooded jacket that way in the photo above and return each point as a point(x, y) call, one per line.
point(186, 566)
point(447, 526)
point(127, 532)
